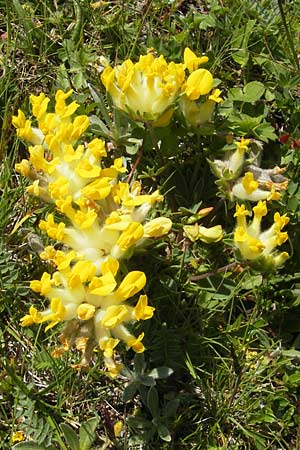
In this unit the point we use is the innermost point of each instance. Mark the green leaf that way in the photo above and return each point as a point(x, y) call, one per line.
point(98, 126)
point(265, 132)
point(293, 203)
point(164, 433)
point(87, 433)
point(235, 94)
point(139, 362)
point(292, 353)
point(252, 282)
point(171, 407)
point(293, 187)
point(129, 391)
point(70, 436)
point(161, 372)
point(269, 96)
point(153, 401)
point(204, 21)
point(29, 446)
point(241, 57)
point(133, 146)
point(241, 36)
point(294, 379)
point(98, 98)
point(244, 122)
point(146, 380)
point(253, 91)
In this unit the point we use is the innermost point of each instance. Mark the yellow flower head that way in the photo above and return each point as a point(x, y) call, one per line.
point(146, 89)
point(17, 436)
point(104, 220)
point(255, 245)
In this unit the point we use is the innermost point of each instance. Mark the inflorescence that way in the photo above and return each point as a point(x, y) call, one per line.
point(104, 220)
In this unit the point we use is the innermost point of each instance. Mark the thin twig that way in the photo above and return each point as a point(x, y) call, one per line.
point(138, 159)
point(209, 274)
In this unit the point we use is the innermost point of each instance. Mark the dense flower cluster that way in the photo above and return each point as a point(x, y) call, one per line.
point(256, 246)
point(148, 89)
point(105, 218)
point(239, 175)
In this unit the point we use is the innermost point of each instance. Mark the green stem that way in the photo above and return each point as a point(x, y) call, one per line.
point(288, 34)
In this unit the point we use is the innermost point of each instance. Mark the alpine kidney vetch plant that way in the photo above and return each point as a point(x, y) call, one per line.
point(104, 219)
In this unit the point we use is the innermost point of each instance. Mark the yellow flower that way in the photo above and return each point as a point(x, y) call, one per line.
point(157, 227)
point(111, 265)
point(18, 436)
point(85, 269)
point(255, 245)
point(87, 170)
point(143, 311)
point(39, 105)
point(198, 83)
point(102, 285)
point(85, 220)
point(105, 217)
point(212, 234)
point(61, 108)
point(248, 189)
point(237, 158)
point(131, 285)
point(191, 61)
point(34, 188)
point(114, 315)
point(108, 345)
point(198, 232)
point(215, 96)
point(130, 235)
point(198, 113)
point(136, 344)
point(43, 286)
point(34, 316)
point(57, 313)
point(144, 90)
point(118, 428)
point(98, 189)
point(249, 183)
point(23, 167)
point(55, 231)
point(85, 311)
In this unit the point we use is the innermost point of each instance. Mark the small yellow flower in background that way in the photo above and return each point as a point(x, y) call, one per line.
point(230, 167)
point(106, 220)
point(208, 235)
point(17, 436)
point(99, 4)
point(118, 426)
point(257, 246)
point(237, 158)
point(239, 175)
point(248, 189)
point(266, 186)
